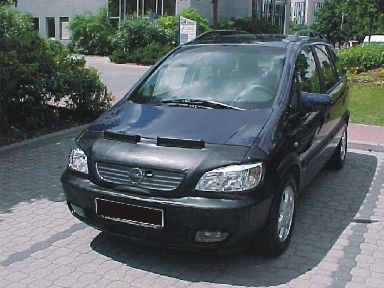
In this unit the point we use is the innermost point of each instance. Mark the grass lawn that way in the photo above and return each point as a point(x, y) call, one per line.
point(366, 101)
point(366, 104)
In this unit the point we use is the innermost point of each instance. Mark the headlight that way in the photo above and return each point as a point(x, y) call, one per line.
point(231, 178)
point(78, 161)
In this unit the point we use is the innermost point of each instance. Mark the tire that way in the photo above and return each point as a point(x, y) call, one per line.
point(338, 158)
point(276, 234)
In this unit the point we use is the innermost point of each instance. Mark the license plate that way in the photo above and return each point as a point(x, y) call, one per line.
point(131, 214)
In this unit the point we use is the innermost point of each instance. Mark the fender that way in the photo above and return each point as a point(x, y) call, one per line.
point(291, 161)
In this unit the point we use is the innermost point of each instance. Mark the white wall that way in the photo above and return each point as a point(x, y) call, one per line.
point(310, 13)
point(181, 5)
point(58, 8)
point(227, 8)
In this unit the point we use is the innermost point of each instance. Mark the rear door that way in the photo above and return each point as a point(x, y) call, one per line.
point(335, 86)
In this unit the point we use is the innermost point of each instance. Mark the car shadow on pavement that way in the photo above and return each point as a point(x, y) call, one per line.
point(328, 206)
point(32, 172)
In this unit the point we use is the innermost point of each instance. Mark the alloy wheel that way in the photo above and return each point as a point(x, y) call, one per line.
point(287, 206)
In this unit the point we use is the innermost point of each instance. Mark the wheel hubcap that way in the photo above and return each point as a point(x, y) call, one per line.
point(287, 206)
point(343, 145)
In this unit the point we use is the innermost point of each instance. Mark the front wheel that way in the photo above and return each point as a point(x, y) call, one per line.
point(278, 229)
point(338, 158)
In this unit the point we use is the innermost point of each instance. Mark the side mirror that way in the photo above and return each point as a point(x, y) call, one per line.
point(315, 101)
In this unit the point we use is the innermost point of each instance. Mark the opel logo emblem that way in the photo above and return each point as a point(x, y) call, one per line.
point(135, 175)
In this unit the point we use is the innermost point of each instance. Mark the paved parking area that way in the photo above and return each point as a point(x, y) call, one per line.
point(338, 242)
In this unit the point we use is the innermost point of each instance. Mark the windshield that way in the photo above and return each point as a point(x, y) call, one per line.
point(238, 76)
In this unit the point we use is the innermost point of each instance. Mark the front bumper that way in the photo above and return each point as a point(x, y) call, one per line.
point(183, 217)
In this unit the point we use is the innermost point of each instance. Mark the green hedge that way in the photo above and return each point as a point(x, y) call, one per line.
point(362, 58)
point(251, 25)
point(146, 55)
point(137, 33)
point(91, 34)
point(34, 71)
point(170, 23)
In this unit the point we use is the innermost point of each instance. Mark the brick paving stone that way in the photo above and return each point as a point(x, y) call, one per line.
point(67, 280)
point(373, 282)
point(43, 245)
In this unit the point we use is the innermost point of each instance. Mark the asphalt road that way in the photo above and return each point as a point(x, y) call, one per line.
point(118, 77)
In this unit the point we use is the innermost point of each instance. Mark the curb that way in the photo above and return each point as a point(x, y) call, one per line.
point(44, 139)
point(367, 146)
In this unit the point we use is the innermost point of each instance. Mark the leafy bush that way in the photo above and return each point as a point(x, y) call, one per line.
point(170, 23)
point(137, 33)
point(147, 55)
point(251, 25)
point(192, 14)
point(34, 71)
point(119, 56)
point(362, 58)
point(91, 34)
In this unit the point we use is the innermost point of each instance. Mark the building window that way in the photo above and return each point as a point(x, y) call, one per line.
point(122, 9)
point(36, 24)
point(298, 12)
point(51, 27)
point(273, 11)
point(64, 28)
point(318, 6)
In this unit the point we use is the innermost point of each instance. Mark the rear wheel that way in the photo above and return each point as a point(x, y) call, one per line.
point(277, 232)
point(338, 158)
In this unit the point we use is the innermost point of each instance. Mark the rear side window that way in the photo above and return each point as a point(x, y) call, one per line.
point(339, 70)
point(307, 72)
point(326, 67)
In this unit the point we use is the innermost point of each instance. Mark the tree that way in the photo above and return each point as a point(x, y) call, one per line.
point(329, 21)
point(341, 20)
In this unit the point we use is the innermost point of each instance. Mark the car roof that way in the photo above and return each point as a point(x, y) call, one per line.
point(222, 37)
point(374, 38)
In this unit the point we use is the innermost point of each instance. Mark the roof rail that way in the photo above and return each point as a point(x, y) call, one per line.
point(309, 33)
point(223, 36)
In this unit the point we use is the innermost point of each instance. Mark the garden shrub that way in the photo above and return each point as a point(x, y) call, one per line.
point(137, 33)
point(146, 55)
point(34, 71)
point(91, 34)
point(251, 25)
point(119, 56)
point(170, 23)
point(193, 14)
point(362, 58)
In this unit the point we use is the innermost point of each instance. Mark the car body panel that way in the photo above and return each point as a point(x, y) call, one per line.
point(230, 127)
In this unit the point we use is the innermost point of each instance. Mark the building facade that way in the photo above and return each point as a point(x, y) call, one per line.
point(304, 11)
point(51, 17)
point(121, 9)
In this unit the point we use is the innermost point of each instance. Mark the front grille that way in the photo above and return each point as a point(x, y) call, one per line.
point(139, 177)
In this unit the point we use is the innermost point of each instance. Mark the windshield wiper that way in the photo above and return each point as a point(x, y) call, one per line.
point(198, 103)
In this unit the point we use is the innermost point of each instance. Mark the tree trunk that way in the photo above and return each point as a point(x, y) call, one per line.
point(215, 12)
point(4, 123)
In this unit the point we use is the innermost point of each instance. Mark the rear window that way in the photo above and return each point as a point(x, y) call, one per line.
point(243, 76)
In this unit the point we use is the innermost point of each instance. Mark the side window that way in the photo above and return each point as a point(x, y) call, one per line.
point(294, 103)
point(326, 67)
point(339, 71)
point(306, 71)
